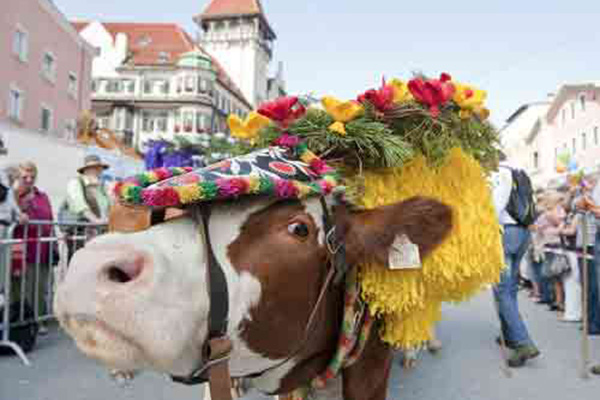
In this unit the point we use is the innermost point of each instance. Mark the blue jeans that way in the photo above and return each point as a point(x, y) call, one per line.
point(515, 241)
point(593, 311)
point(543, 284)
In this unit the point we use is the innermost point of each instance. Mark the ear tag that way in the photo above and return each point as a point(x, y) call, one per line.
point(404, 254)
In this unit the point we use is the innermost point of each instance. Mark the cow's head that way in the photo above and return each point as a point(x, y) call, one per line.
point(140, 300)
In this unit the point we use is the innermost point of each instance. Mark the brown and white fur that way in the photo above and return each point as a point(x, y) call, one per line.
point(139, 300)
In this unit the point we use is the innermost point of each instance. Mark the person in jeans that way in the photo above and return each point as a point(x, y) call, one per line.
point(516, 240)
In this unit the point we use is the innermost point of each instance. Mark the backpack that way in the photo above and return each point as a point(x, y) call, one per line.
point(521, 205)
point(25, 335)
point(3, 192)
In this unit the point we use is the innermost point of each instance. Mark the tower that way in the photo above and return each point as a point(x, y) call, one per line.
point(238, 35)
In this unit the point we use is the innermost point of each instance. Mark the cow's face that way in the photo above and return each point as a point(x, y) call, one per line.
point(140, 300)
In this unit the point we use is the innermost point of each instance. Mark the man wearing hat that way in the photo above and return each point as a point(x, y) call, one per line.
point(86, 195)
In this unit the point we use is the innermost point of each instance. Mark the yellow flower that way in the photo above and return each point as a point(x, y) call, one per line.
point(341, 112)
point(470, 100)
point(339, 128)
point(401, 92)
point(249, 128)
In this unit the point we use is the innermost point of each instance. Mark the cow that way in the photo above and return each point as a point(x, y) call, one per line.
point(139, 300)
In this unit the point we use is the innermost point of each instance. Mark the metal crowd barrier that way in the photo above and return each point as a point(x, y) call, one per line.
point(27, 286)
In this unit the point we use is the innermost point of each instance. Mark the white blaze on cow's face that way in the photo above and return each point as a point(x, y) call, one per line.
point(140, 300)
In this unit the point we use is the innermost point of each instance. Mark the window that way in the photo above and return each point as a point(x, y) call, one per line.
point(129, 85)
point(72, 85)
point(596, 136)
point(128, 120)
point(574, 145)
point(15, 104)
point(188, 121)
point(94, 85)
point(147, 87)
point(564, 115)
point(46, 119)
point(163, 57)
point(583, 141)
point(20, 44)
point(104, 122)
point(189, 83)
point(582, 101)
point(161, 122)
point(70, 127)
point(147, 122)
point(536, 160)
point(49, 66)
point(201, 122)
point(164, 86)
point(573, 110)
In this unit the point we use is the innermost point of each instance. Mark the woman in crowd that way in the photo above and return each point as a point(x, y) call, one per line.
point(572, 234)
point(549, 228)
point(36, 255)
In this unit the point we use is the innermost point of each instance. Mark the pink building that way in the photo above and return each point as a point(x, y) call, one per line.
point(45, 70)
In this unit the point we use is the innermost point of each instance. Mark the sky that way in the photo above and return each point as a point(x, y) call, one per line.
point(519, 51)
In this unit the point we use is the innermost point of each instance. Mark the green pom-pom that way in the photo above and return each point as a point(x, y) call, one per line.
point(210, 190)
point(135, 195)
point(266, 185)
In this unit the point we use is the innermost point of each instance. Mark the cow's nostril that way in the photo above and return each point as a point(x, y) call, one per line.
point(116, 274)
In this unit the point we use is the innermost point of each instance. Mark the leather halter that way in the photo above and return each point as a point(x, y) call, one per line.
point(214, 366)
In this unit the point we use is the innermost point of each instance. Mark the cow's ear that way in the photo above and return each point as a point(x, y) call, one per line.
point(370, 234)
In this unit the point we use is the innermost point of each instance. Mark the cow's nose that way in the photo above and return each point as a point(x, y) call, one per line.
point(123, 270)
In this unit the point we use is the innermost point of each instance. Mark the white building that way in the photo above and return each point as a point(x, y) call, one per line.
point(238, 34)
point(152, 80)
point(568, 123)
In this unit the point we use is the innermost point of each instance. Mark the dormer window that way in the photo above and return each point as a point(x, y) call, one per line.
point(163, 57)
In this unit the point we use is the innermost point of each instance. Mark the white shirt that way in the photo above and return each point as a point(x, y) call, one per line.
point(501, 187)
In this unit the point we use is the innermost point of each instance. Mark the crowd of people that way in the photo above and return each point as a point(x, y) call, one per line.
point(22, 202)
point(558, 254)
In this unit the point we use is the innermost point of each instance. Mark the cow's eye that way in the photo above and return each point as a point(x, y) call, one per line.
point(299, 229)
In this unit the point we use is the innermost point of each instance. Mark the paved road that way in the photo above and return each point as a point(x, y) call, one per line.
point(468, 368)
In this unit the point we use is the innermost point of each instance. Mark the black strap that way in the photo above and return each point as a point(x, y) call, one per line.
point(217, 285)
point(219, 308)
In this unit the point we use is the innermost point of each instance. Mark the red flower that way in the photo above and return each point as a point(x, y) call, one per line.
point(382, 98)
point(319, 166)
point(232, 187)
point(283, 110)
point(433, 92)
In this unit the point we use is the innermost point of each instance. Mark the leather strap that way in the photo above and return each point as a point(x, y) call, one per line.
point(217, 284)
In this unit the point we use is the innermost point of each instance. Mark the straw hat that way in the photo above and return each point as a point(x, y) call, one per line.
point(90, 161)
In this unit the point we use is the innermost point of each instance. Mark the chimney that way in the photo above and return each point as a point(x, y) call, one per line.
point(121, 46)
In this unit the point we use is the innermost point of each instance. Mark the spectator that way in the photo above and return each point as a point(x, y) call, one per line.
point(543, 292)
point(86, 196)
point(36, 205)
point(515, 242)
point(87, 201)
point(592, 204)
point(572, 234)
point(9, 214)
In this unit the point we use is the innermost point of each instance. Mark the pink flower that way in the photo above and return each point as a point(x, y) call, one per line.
point(287, 140)
point(382, 98)
point(285, 189)
point(319, 166)
point(232, 187)
point(162, 197)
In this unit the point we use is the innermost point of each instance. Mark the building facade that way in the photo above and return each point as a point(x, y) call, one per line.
point(153, 81)
point(565, 129)
point(45, 71)
point(238, 34)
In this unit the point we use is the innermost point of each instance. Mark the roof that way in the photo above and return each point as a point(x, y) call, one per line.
point(523, 124)
point(221, 9)
point(233, 7)
point(565, 92)
point(159, 44)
